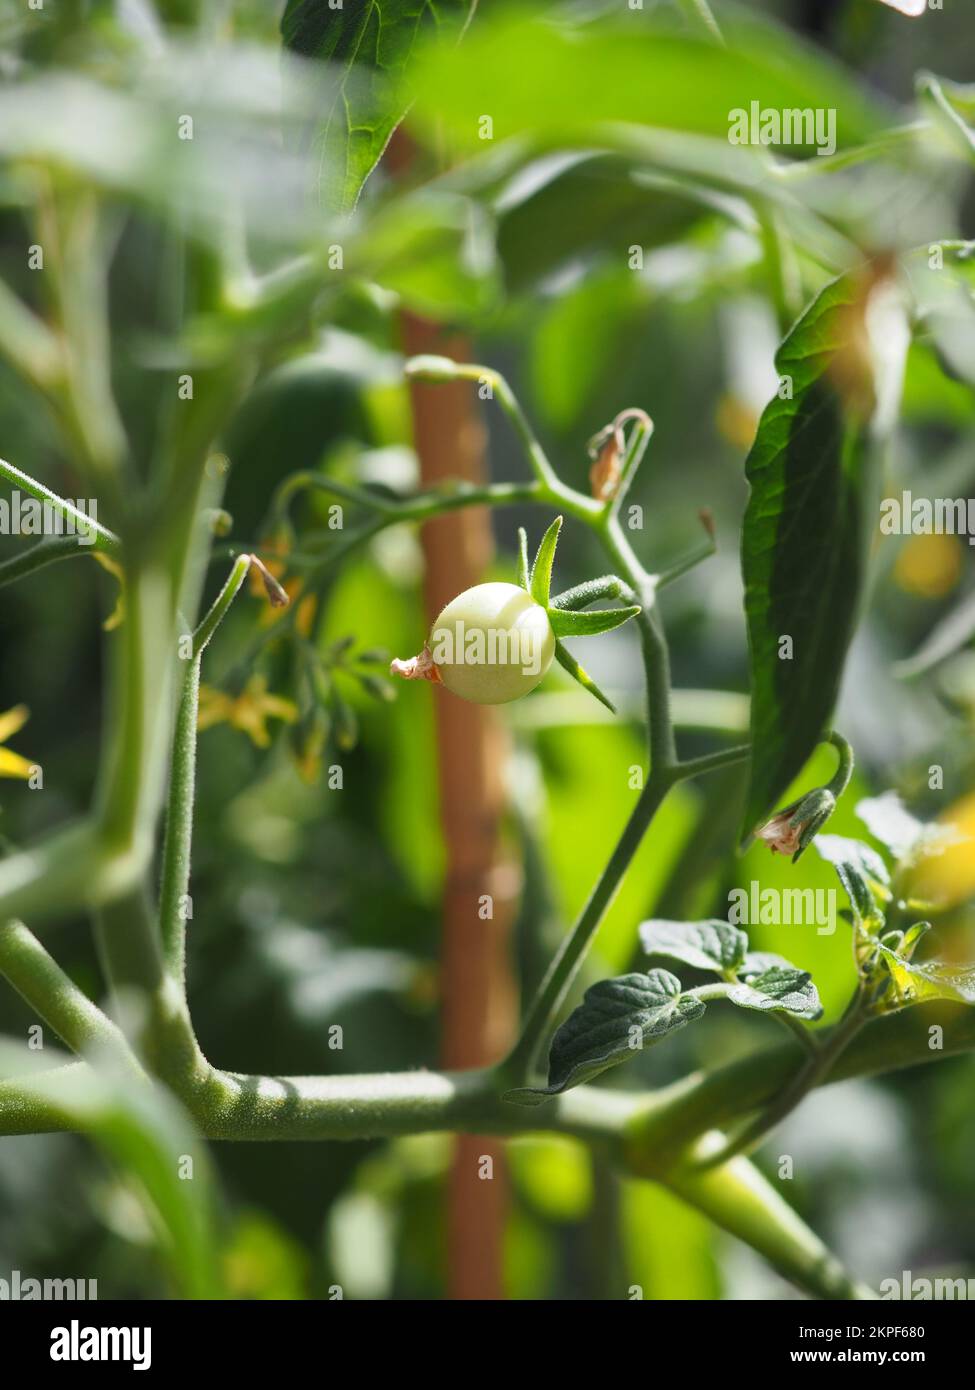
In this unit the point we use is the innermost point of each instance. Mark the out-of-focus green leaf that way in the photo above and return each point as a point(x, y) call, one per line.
point(669, 1247)
point(262, 1261)
point(436, 250)
point(370, 43)
point(553, 1173)
point(600, 311)
point(567, 206)
point(144, 1131)
point(953, 631)
point(616, 1019)
point(810, 512)
point(942, 281)
point(561, 80)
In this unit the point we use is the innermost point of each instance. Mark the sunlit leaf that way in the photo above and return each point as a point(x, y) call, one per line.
point(714, 945)
point(778, 986)
point(810, 513)
point(615, 1020)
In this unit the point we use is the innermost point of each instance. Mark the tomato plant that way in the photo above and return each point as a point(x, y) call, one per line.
point(248, 262)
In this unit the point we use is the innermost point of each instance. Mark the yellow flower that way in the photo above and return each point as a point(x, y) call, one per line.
point(249, 711)
point(12, 764)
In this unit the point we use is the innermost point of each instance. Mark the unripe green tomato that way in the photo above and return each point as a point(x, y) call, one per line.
point(492, 644)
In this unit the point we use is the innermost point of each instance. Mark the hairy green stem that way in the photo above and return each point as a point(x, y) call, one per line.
point(177, 844)
point(97, 537)
point(54, 996)
point(38, 557)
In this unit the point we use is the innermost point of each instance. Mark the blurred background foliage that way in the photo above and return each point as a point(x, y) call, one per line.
point(314, 906)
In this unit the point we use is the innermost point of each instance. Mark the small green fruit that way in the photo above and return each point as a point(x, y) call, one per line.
point(492, 644)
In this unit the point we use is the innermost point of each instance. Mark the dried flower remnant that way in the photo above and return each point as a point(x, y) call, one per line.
point(604, 475)
point(277, 594)
point(607, 449)
point(416, 668)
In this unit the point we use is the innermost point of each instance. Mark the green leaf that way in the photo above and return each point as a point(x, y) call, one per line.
point(920, 982)
point(615, 1019)
point(942, 280)
point(376, 686)
point(810, 513)
point(524, 578)
point(541, 576)
point(713, 945)
point(435, 250)
point(564, 206)
point(563, 79)
point(567, 624)
point(568, 663)
point(862, 873)
point(371, 44)
point(779, 986)
point(146, 1133)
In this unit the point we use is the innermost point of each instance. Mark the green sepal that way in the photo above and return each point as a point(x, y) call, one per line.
point(568, 663)
point(541, 577)
point(568, 624)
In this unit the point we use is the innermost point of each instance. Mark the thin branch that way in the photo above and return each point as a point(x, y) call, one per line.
point(710, 762)
point(38, 978)
point(81, 524)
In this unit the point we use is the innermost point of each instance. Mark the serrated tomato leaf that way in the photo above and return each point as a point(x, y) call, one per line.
point(616, 1019)
point(713, 945)
point(778, 986)
point(804, 546)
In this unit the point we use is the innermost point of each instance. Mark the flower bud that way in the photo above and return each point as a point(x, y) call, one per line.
point(791, 830)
